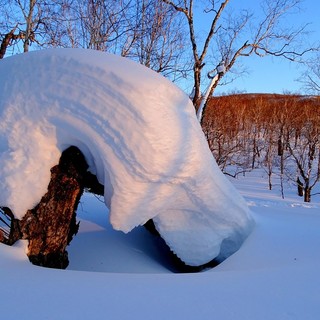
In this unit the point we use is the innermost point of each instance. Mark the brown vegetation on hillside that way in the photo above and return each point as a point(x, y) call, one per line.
point(280, 133)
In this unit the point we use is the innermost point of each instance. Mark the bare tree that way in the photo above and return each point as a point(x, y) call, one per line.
point(90, 24)
point(311, 77)
point(22, 24)
point(304, 148)
point(29, 24)
point(279, 133)
point(8, 39)
point(28, 9)
point(199, 55)
point(147, 31)
point(238, 36)
point(10, 33)
point(157, 38)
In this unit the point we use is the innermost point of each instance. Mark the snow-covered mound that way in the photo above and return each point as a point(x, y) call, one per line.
point(140, 136)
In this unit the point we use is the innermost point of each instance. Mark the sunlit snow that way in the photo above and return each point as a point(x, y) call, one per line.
point(140, 136)
point(273, 276)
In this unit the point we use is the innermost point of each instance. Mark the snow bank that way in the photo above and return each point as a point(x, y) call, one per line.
point(140, 136)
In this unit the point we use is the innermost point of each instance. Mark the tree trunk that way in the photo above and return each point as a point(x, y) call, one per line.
point(50, 226)
point(7, 39)
point(269, 179)
point(307, 194)
point(300, 187)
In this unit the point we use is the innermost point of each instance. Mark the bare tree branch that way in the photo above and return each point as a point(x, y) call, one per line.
point(267, 37)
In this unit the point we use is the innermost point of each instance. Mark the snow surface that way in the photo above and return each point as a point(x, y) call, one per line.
point(139, 135)
point(273, 276)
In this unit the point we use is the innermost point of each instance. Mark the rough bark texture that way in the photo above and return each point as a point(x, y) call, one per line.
point(50, 226)
point(9, 230)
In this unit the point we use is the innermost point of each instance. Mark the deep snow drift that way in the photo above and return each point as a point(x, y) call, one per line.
point(274, 275)
point(140, 136)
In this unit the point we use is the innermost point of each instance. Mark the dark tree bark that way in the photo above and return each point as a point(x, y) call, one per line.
point(177, 265)
point(300, 187)
point(8, 39)
point(9, 229)
point(307, 193)
point(50, 226)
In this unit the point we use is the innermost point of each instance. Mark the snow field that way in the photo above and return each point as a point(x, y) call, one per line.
point(274, 275)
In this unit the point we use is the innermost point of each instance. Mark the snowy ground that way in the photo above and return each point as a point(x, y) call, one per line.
point(274, 276)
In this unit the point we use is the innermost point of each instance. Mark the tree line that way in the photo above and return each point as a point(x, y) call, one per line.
point(279, 133)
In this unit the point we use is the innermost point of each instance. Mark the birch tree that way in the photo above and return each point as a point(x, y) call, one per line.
point(311, 77)
point(158, 38)
point(20, 24)
point(232, 36)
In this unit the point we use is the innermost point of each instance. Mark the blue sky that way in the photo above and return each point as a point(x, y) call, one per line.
point(275, 75)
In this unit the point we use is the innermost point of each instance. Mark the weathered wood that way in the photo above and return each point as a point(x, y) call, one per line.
point(51, 225)
point(10, 229)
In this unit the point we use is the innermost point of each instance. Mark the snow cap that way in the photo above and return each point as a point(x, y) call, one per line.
point(139, 135)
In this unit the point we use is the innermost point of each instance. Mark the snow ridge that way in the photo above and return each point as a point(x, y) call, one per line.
point(139, 135)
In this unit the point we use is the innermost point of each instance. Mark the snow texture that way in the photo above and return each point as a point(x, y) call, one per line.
point(273, 276)
point(140, 136)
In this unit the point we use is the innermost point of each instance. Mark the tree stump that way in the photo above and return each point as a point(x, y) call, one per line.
point(51, 225)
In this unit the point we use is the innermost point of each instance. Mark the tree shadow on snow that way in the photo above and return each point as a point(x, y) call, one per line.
point(99, 248)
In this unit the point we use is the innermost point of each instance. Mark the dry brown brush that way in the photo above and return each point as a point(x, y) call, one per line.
point(279, 133)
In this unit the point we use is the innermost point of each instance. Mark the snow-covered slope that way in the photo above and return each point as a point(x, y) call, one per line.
point(139, 135)
point(274, 275)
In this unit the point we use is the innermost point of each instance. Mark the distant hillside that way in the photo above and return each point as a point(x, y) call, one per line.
point(280, 133)
point(266, 99)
